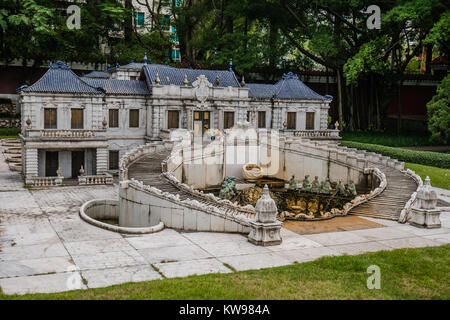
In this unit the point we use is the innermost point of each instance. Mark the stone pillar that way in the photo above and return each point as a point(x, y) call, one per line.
point(31, 164)
point(424, 213)
point(102, 160)
point(265, 231)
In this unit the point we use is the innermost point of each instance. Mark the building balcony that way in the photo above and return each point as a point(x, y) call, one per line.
point(327, 134)
point(65, 134)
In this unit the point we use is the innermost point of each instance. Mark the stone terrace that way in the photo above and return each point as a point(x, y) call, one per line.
point(46, 247)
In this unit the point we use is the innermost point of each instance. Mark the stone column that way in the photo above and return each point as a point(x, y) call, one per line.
point(102, 160)
point(265, 231)
point(31, 163)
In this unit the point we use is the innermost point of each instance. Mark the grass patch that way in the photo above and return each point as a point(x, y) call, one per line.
point(439, 177)
point(387, 139)
point(405, 274)
point(435, 159)
point(9, 132)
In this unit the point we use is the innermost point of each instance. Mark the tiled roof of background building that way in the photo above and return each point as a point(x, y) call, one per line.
point(97, 74)
point(289, 87)
point(122, 87)
point(170, 75)
point(260, 91)
point(60, 79)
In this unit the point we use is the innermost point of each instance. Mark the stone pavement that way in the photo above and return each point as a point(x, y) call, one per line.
point(46, 247)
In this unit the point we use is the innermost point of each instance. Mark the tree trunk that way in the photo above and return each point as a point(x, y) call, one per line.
point(340, 97)
point(429, 56)
point(128, 22)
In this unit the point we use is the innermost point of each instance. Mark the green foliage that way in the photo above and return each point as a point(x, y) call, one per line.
point(435, 159)
point(439, 113)
point(387, 138)
point(369, 59)
point(9, 132)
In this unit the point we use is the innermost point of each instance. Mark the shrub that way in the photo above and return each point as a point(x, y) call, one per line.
point(435, 159)
point(438, 110)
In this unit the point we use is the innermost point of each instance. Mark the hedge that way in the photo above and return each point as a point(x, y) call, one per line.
point(435, 159)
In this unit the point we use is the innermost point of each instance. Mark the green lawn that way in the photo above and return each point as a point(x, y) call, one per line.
point(405, 274)
point(387, 138)
point(439, 177)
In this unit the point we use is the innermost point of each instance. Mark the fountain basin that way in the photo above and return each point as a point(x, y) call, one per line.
point(104, 213)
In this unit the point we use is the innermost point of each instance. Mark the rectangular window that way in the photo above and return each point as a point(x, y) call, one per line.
point(134, 118)
point(173, 118)
point(132, 77)
point(113, 160)
point(261, 119)
point(50, 118)
point(248, 116)
point(140, 19)
point(309, 121)
point(77, 119)
point(165, 22)
point(113, 118)
point(228, 120)
point(291, 118)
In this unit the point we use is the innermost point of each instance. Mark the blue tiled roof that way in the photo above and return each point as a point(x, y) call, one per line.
point(130, 66)
point(170, 75)
point(260, 91)
point(122, 87)
point(60, 79)
point(97, 74)
point(289, 87)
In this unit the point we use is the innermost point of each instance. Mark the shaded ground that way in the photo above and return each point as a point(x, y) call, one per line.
point(346, 223)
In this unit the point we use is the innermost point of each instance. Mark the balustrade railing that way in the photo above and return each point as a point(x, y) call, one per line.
point(95, 179)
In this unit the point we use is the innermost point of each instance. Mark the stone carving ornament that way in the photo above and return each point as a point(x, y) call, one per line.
point(201, 88)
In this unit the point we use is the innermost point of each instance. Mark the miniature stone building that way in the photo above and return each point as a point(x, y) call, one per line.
point(70, 121)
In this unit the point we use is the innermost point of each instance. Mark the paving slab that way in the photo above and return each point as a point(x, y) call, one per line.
point(255, 261)
point(109, 260)
point(308, 254)
point(111, 276)
point(191, 267)
point(383, 233)
point(42, 283)
point(93, 247)
point(413, 242)
point(222, 249)
point(164, 239)
point(293, 243)
point(8, 252)
point(213, 237)
point(335, 238)
point(173, 254)
point(359, 248)
point(443, 238)
point(29, 267)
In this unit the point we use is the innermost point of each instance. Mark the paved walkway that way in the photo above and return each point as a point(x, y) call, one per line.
point(46, 247)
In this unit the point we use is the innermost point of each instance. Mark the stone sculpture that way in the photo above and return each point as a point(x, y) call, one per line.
point(306, 185)
point(340, 189)
point(228, 189)
point(251, 172)
point(265, 230)
point(424, 212)
point(326, 187)
point(351, 188)
point(293, 183)
point(315, 187)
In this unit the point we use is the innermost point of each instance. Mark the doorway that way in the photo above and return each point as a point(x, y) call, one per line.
point(51, 163)
point(77, 162)
point(201, 122)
